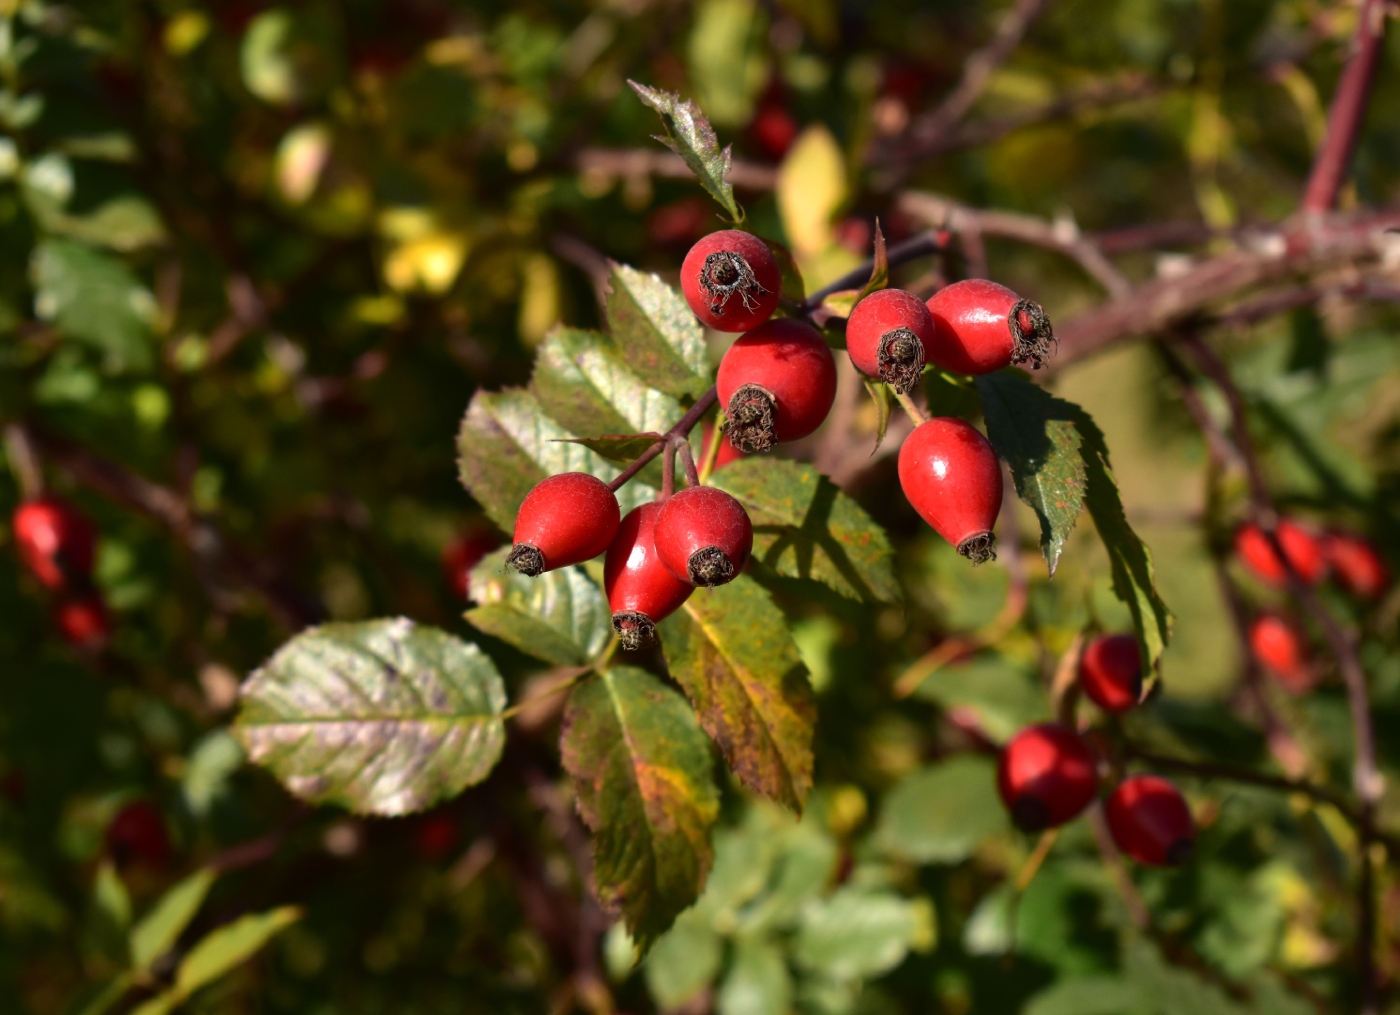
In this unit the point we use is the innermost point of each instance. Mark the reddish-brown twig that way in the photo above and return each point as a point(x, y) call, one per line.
point(1349, 104)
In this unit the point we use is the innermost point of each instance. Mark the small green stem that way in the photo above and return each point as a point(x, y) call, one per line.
point(711, 457)
point(910, 408)
point(563, 685)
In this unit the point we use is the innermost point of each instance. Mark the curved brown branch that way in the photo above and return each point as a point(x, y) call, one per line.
point(1061, 237)
point(1295, 249)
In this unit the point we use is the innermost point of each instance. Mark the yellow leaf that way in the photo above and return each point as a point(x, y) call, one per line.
point(301, 157)
point(539, 298)
point(429, 263)
point(811, 186)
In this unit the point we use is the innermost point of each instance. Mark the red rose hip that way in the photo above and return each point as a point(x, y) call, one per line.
point(1358, 566)
point(82, 620)
point(1301, 545)
point(1110, 672)
point(777, 384)
point(725, 453)
point(980, 327)
point(731, 280)
point(1150, 821)
point(138, 836)
point(1046, 776)
point(1280, 649)
point(567, 519)
point(886, 336)
point(951, 476)
point(641, 591)
point(703, 536)
point(55, 542)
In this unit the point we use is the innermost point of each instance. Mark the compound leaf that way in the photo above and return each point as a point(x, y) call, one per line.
point(1035, 433)
point(690, 135)
point(642, 771)
point(381, 716)
point(656, 332)
point(804, 527)
point(560, 616)
point(730, 650)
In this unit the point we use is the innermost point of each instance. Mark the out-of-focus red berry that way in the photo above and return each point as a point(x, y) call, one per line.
point(138, 836)
point(773, 131)
point(680, 222)
point(855, 234)
point(1357, 565)
point(1282, 651)
point(435, 836)
point(1301, 545)
point(55, 541)
point(82, 620)
point(1151, 822)
point(462, 555)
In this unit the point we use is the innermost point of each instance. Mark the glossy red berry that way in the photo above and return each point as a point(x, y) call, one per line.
point(886, 336)
point(55, 541)
point(567, 519)
point(1110, 672)
point(138, 836)
point(1301, 545)
point(641, 591)
point(82, 620)
point(1151, 822)
point(980, 327)
point(1357, 565)
point(951, 476)
point(703, 536)
point(460, 558)
point(1281, 650)
point(777, 384)
point(731, 280)
point(1046, 776)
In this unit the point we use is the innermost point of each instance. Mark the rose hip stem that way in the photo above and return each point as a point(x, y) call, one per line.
point(682, 428)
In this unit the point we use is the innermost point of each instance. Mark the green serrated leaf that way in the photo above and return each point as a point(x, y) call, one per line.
point(1035, 433)
point(941, 813)
point(507, 444)
point(879, 269)
point(690, 135)
point(805, 528)
point(884, 403)
point(560, 616)
point(620, 448)
point(381, 716)
point(158, 931)
point(1129, 557)
point(840, 303)
point(656, 332)
point(642, 771)
point(93, 298)
point(582, 381)
point(730, 650)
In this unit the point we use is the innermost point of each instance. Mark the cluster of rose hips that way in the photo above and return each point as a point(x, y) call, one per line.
point(57, 543)
point(1048, 773)
point(1275, 641)
point(776, 384)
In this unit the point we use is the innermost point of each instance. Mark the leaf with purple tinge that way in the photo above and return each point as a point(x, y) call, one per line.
point(382, 716)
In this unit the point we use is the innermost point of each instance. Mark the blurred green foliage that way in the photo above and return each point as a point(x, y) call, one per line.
point(263, 256)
